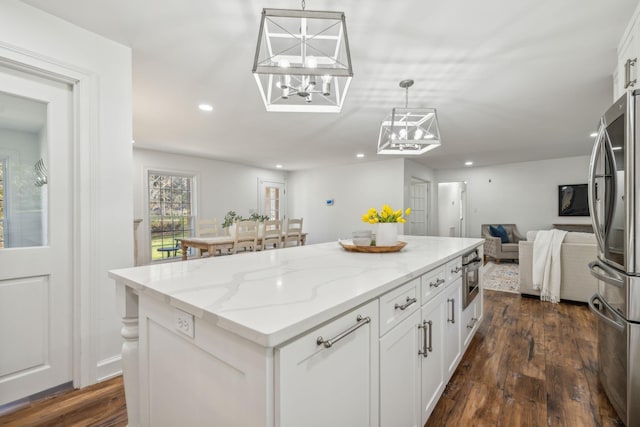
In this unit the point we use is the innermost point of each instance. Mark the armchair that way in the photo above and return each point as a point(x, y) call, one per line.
point(493, 246)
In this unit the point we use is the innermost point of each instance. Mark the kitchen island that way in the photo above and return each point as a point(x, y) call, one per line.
point(312, 335)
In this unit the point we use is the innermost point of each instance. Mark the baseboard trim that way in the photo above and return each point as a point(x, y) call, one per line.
point(109, 368)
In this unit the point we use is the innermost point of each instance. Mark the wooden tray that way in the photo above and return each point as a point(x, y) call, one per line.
point(371, 249)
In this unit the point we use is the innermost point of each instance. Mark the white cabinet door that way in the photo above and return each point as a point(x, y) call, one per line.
point(452, 330)
point(329, 377)
point(433, 354)
point(471, 317)
point(400, 375)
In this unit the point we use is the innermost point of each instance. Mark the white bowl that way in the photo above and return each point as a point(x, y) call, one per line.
point(362, 241)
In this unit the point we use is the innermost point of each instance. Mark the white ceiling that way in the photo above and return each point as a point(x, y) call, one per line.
point(511, 80)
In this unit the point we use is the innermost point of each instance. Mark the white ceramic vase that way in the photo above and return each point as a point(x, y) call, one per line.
point(387, 234)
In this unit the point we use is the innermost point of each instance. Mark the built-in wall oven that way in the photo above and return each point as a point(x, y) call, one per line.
point(471, 263)
point(614, 181)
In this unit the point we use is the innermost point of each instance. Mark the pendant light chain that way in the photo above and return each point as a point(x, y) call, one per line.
point(304, 4)
point(406, 99)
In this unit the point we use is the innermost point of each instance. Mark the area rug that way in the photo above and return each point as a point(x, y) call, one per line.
point(503, 277)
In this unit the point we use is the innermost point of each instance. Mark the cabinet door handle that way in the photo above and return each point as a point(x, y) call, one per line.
point(627, 72)
point(458, 269)
point(407, 304)
point(437, 283)
point(329, 343)
point(430, 347)
point(425, 349)
point(453, 310)
point(473, 323)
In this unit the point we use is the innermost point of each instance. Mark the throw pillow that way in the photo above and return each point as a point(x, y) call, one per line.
point(500, 232)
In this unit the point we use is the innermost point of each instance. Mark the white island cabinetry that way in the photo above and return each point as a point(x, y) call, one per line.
point(329, 377)
point(306, 336)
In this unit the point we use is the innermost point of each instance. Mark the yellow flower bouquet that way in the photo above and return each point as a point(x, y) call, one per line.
point(387, 214)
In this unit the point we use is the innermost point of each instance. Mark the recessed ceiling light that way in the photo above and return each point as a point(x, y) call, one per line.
point(359, 155)
point(133, 141)
point(205, 107)
point(279, 166)
point(468, 163)
point(594, 134)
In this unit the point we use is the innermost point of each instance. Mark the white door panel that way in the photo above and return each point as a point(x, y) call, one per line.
point(35, 262)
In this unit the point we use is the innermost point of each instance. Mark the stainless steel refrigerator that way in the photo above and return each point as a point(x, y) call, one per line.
point(614, 203)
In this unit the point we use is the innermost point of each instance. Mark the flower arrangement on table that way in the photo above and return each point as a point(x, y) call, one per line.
point(386, 221)
point(387, 214)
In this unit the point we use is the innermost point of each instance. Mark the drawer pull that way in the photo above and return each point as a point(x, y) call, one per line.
point(453, 310)
point(458, 269)
point(329, 343)
point(407, 304)
point(436, 283)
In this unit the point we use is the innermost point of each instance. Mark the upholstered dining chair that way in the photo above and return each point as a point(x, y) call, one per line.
point(272, 234)
point(245, 236)
point(293, 232)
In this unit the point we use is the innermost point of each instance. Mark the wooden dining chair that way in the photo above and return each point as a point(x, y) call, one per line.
point(245, 236)
point(293, 232)
point(207, 228)
point(272, 234)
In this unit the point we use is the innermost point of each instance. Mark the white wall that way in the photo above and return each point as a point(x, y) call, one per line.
point(220, 187)
point(107, 137)
point(355, 188)
point(522, 193)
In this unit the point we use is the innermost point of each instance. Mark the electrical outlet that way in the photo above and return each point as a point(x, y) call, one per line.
point(184, 323)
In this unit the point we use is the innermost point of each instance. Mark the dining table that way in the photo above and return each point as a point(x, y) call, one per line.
point(215, 243)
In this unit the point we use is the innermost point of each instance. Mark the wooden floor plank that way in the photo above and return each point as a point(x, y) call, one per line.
point(530, 364)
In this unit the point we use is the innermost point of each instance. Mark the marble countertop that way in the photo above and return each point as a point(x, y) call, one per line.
point(272, 296)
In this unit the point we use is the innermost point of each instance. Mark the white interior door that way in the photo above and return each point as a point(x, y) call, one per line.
point(35, 257)
point(419, 203)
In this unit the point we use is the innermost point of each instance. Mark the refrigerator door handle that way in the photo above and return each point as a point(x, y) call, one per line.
point(611, 322)
point(610, 197)
point(612, 276)
point(595, 219)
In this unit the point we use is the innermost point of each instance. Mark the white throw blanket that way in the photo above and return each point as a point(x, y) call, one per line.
point(546, 264)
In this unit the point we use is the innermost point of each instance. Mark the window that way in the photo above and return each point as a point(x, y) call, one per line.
point(170, 212)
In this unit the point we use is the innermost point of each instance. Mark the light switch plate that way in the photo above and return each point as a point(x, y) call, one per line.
point(184, 323)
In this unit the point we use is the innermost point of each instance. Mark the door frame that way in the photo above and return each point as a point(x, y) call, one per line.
point(84, 186)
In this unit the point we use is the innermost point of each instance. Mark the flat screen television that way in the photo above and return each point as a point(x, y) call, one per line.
point(573, 200)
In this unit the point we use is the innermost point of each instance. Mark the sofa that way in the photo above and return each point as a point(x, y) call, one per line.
point(493, 246)
point(576, 283)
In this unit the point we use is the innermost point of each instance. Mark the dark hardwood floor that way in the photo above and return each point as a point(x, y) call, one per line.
point(530, 364)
